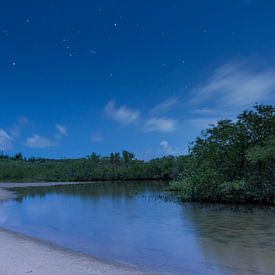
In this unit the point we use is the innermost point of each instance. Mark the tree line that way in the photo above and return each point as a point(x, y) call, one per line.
point(94, 167)
point(231, 161)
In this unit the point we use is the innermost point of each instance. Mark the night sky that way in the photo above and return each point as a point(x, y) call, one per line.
point(78, 77)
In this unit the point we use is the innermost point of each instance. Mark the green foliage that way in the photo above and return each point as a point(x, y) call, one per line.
point(92, 168)
point(233, 161)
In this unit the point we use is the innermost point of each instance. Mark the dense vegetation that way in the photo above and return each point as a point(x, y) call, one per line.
point(94, 167)
point(233, 161)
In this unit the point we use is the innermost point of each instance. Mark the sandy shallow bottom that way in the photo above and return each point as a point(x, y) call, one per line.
point(24, 255)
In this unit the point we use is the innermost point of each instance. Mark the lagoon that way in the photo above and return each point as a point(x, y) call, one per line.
point(139, 224)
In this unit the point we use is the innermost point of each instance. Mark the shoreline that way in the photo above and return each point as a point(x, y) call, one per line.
point(21, 254)
point(6, 194)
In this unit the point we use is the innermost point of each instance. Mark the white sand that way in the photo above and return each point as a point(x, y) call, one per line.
point(23, 255)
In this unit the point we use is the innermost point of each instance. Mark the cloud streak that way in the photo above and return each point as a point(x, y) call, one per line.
point(5, 141)
point(165, 106)
point(236, 85)
point(62, 130)
point(160, 124)
point(37, 141)
point(153, 123)
point(121, 114)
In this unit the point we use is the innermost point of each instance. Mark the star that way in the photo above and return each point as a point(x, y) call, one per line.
point(13, 63)
point(28, 20)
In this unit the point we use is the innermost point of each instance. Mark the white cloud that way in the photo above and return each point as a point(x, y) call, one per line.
point(165, 106)
point(160, 124)
point(37, 141)
point(62, 129)
point(97, 138)
point(236, 85)
point(168, 149)
point(5, 141)
point(122, 114)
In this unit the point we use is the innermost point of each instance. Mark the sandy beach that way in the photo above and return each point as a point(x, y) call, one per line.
point(24, 255)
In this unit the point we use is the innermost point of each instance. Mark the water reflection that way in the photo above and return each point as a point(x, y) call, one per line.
point(138, 223)
point(94, 190)
point(239, 238)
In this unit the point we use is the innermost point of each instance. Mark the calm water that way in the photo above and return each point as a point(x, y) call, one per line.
point(136, 223)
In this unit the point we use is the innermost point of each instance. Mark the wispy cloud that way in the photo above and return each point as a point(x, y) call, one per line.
point(161, 124)
point(97, 137)
point(121, 114)
point(165, 106)
point(236, 85)
point(37, 141)
point(153, 123)
point(62, 130)
point(5, 141)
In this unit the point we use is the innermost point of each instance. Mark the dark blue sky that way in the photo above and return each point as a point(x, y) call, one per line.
point(147, 76)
